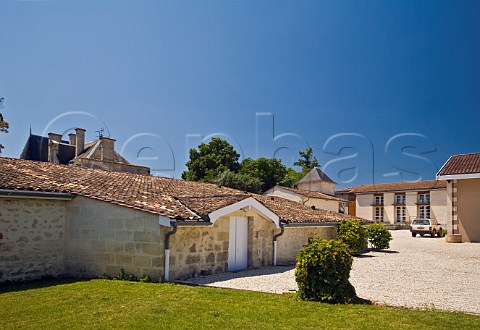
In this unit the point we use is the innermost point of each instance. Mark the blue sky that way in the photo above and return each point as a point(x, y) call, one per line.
point(382, 90)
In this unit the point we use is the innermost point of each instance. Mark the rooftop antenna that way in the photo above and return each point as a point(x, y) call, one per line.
point(100, 132)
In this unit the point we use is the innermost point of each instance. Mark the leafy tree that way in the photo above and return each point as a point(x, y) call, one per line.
point(3, 124)
point(210, 160)
point(307, 160)
point(240, 181)
point(291, 178)
point(269, 171)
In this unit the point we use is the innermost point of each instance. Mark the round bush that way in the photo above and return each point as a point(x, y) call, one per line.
point(353, 234)
point(322, 272)
point(379, 236)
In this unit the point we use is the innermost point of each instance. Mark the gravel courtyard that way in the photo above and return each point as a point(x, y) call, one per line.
point(419, 272)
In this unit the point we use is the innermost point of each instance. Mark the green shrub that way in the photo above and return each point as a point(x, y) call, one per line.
point(353, 234)
point(379, 236)
point(322, 272)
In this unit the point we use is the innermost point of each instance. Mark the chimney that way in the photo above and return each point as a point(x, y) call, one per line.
point(107, 147)
point(53, 142)
point(79, 141)
point(73, 139)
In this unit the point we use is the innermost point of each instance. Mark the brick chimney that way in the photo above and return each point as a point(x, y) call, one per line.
point(79, 141)
point(73, 139)
point(107, 149)
point(53, 142)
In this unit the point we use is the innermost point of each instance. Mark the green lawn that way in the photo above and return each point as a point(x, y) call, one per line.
point(119, 304)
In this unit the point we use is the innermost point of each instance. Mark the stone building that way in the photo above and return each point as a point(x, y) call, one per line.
point(99, 153)
point(59, 220)
point(398, 202)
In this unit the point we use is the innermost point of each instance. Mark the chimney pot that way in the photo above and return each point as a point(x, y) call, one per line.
point(107, 146)
point(53, 141)
point(80, 141)
point(73, 139)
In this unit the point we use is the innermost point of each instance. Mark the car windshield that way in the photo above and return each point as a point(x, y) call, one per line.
point(421, 222)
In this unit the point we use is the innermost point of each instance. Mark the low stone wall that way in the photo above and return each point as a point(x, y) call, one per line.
point(103, 238)
point(295, 238)
point(31, 238)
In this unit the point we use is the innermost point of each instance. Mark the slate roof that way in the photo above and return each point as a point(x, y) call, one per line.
point(172, 198)
point(396, 186)
point(36, 148)
point(310, 194)
point(315, 175)
point(461, 164)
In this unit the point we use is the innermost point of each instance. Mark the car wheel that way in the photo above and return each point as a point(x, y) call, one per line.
point(422, 235)
point(440, 233)
point(414, 235)
point(434, 232)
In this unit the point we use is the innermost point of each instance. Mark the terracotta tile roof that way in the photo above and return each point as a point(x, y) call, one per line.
point(172, 198)
point(310, 194)
point(462, 164)
point(294, 212)
point(396, 186)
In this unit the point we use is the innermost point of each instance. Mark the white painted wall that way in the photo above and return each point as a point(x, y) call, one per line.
point(323, 204)
point(438, 206)
point(364, 206)
point(323, 187)
point(388, 209)
point(285, 194)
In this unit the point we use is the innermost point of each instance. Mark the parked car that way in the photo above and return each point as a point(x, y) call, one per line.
point(426, 226)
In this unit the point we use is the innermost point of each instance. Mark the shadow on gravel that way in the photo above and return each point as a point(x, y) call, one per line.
point(367, 255)
point(208, 279)
point(388, 251)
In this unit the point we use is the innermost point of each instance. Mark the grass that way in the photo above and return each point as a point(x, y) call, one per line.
point(120, 304)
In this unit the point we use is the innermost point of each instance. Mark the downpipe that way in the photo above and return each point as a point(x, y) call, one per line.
point(282, 230)
point(167, 250)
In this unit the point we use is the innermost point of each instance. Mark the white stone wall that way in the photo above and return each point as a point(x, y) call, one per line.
point(31, 238)
point(104, 238)
point(323, 204)
point(364, 207)
point(286, 194)
point(389, 208)
point(438, 206)
point(410, 201)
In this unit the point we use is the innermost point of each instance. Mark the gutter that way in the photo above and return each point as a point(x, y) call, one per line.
point(167, 250)
point(35, 194)
point(282, 230)
point(312, 224)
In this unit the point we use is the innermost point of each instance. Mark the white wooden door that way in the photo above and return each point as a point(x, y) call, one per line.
point(237, 247)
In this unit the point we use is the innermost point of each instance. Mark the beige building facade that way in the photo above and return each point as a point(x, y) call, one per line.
point(462, 173)
point(398, 203)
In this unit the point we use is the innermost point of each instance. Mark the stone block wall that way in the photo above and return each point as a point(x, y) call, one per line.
point(104, 238)
point(295, 238)
point(199, 250)
point(31, 238)
point(260, 241)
